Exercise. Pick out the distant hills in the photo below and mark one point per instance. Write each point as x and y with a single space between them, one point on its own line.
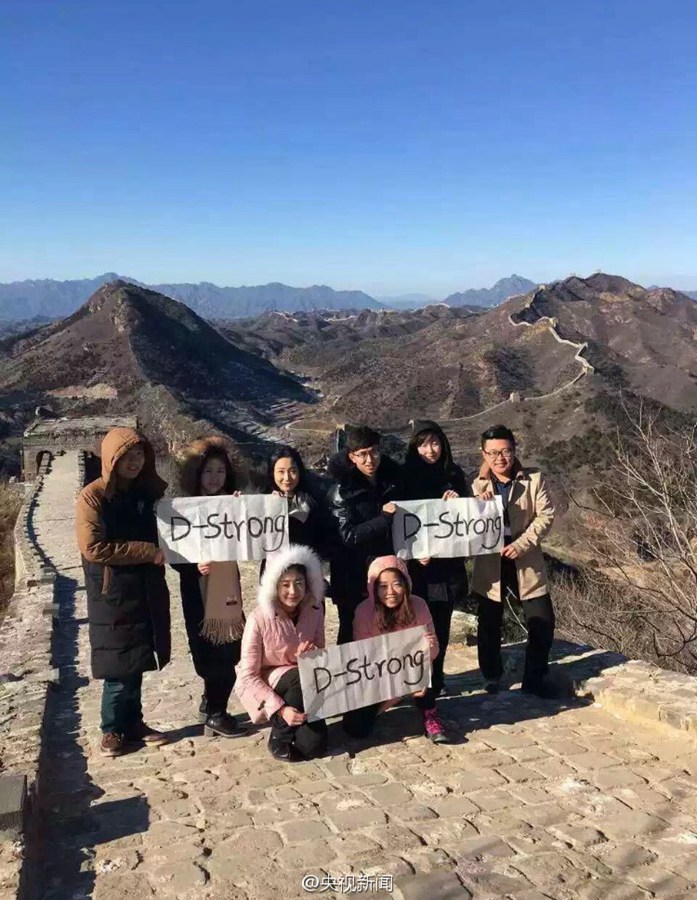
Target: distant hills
490 297
48 299
55 299
407 301
615 345
293 376
129 349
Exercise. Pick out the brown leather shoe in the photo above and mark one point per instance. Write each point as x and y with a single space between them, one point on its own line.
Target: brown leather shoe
144 734
112 744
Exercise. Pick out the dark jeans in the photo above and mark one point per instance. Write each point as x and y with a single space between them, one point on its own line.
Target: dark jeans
358 723
441 613
346 610
539 618
311 737
216 693
121 704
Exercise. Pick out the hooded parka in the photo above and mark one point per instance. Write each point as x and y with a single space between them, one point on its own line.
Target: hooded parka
127 596
271 639
365 622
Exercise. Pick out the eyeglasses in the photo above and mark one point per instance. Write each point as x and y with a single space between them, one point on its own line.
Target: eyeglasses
495 454
365 455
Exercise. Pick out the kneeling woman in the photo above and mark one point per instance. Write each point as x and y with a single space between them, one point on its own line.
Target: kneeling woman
287 622
390 606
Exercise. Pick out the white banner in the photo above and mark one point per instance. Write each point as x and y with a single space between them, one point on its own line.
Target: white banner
447 528
348 676
221 528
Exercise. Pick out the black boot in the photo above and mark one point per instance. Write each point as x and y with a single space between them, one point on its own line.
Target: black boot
283 750
223 725
544 688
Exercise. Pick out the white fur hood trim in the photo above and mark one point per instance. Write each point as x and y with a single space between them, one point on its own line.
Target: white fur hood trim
276 566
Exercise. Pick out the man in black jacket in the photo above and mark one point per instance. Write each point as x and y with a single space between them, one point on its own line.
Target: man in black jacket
362 504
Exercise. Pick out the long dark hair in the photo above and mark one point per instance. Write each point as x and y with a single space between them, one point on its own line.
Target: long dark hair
287 453
401 617
427 480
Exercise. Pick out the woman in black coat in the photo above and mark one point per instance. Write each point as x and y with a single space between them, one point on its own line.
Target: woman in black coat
287 477
431 473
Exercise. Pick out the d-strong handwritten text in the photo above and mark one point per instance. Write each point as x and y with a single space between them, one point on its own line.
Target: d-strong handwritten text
448 528
360 673
215 529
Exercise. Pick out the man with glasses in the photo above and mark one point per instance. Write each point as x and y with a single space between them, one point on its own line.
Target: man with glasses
519 573
362 504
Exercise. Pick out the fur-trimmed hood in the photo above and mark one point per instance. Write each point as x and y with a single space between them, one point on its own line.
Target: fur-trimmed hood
277 564
380 565
193 458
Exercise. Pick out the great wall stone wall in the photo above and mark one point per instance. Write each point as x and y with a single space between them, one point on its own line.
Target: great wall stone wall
517 321
593 797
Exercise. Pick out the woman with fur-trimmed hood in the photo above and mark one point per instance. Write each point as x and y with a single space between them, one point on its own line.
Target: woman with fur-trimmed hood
287 622
211 593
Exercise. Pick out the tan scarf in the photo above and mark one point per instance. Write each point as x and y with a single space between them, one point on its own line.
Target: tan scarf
223 620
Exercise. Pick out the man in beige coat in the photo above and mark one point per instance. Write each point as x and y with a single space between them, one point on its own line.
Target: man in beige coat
519 572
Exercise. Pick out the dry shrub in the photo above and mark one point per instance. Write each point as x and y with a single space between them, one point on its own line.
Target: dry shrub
640 597
601 612
10 503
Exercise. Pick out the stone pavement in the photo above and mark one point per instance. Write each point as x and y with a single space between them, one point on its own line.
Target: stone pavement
545 799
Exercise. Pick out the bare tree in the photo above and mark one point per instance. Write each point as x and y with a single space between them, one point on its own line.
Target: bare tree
641 593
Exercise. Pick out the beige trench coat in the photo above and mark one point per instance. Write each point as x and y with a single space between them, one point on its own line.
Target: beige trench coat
531 514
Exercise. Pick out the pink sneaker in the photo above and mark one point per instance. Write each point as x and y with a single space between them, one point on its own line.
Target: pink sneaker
434 727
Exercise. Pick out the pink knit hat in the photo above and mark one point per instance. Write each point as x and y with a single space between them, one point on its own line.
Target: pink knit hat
379 565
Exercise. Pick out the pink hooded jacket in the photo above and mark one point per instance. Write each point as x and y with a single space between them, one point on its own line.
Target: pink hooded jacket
270 640
365 623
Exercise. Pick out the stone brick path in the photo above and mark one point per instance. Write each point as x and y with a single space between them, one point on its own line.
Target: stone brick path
544 800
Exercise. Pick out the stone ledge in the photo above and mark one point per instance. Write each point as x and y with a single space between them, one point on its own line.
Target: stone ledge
13 795
632 689
27 676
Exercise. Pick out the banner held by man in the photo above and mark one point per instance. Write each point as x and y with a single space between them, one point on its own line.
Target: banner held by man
448 528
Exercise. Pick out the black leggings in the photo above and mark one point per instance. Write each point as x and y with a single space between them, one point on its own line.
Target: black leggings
441 613
310 738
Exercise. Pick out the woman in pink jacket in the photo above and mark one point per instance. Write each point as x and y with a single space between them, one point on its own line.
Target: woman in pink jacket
391 606
288 621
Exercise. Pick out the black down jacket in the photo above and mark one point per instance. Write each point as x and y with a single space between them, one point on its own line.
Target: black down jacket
362 531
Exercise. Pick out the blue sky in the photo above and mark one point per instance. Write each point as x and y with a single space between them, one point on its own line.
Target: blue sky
390 146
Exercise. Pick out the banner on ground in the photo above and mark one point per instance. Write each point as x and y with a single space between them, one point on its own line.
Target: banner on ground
447 528
348 676
222 528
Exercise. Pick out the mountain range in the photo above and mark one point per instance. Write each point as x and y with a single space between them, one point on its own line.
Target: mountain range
552 364
20 300
48 299
488 297
132 350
